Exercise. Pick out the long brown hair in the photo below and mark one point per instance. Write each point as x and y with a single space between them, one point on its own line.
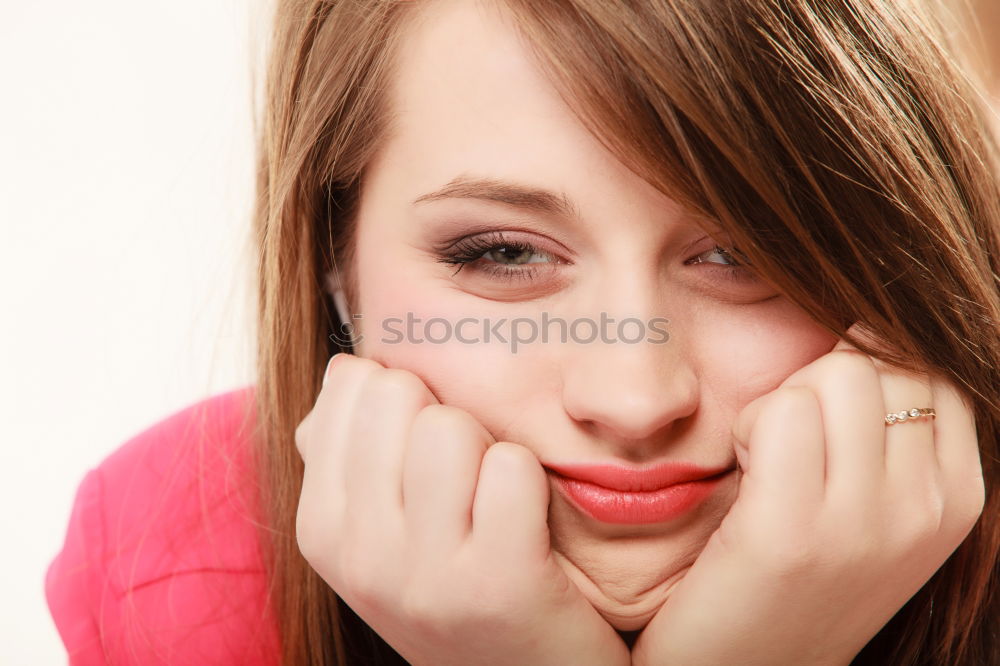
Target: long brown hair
840 144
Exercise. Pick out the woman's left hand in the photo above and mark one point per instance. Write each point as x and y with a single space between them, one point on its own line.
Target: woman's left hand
839 520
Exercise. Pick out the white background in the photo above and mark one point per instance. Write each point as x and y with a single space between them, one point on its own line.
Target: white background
126 180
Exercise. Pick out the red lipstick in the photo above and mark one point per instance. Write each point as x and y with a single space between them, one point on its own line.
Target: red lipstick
621 494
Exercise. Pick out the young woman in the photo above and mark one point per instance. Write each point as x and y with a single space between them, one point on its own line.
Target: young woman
672 333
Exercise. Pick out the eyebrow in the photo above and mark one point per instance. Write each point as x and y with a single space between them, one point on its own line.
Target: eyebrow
506 192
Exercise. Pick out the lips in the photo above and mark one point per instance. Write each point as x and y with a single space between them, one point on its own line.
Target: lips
620 494
631 479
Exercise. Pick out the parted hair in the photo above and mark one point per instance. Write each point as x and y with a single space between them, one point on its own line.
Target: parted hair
840 143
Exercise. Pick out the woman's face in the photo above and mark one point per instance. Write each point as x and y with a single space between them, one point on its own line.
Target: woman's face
471 106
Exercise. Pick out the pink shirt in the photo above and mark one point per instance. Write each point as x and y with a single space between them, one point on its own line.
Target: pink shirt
161 562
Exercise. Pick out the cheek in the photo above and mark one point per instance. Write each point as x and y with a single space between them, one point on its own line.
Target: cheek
748 355
415 326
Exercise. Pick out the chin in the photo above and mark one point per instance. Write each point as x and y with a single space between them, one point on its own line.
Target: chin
631 610
627 623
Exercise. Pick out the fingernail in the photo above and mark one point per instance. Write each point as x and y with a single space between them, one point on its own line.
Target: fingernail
329 364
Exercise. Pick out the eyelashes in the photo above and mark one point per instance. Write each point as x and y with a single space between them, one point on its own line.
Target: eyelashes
494 245
468 251
738 270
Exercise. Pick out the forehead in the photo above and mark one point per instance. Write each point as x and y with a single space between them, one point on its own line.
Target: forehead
463 69
469 99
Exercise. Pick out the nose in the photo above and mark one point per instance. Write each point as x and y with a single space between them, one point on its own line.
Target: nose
630 394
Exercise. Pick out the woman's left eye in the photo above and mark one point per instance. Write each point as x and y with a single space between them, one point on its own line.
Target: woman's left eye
736 268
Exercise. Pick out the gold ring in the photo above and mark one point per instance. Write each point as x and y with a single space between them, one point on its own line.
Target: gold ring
907 414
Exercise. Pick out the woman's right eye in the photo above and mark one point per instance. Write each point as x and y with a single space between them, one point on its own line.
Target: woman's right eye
496 257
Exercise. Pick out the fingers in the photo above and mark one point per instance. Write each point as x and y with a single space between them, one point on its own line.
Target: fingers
510 512
322 436
910 460
958 456
841 433
301 432
384 457
441 468
932 469
780 446
339 393
911 463
850 394
384 411
955 429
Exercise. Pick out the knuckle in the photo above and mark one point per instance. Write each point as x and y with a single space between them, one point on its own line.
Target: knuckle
977 496
927 505
438 418
847 366
837 365
358 583
514 454
424 611
923 529
781 404
399 384
923 523
971 503
336 370
934 513
789 401
310 540
301 432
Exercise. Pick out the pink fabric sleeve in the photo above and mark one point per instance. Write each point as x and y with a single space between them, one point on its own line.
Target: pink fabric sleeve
161 561
74 578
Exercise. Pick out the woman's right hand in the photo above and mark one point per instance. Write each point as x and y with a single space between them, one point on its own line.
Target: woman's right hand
432 532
